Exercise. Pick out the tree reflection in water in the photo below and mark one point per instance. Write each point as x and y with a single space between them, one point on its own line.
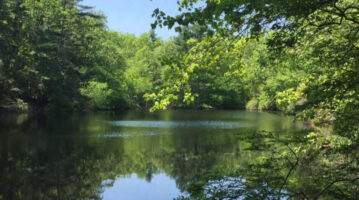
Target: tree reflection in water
62 157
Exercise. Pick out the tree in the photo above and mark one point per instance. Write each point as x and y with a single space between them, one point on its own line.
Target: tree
45 50
244 15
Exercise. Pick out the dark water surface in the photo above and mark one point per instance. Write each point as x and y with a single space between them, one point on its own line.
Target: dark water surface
139 155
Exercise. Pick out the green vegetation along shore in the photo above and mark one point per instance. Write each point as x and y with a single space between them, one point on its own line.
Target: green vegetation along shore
297 57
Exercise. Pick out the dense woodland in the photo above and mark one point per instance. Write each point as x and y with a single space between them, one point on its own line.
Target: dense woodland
297 57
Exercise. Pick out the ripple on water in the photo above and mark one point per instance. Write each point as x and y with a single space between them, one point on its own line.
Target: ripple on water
183 124
125 135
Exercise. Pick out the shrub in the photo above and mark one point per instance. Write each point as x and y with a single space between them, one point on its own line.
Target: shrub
98 93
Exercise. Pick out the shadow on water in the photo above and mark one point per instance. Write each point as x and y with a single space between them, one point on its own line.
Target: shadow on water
193 154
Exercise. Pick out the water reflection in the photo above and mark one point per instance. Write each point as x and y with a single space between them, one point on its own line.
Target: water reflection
86 157
182 124
161 187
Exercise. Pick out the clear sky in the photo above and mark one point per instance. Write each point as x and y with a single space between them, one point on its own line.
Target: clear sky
134 16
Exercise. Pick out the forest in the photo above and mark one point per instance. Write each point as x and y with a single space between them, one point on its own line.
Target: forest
300 58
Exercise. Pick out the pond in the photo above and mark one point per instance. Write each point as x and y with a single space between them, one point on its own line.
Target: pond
162 155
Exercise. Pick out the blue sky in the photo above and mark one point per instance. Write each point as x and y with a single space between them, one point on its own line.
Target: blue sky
134 16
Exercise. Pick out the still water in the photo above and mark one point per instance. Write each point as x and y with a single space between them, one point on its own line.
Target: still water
140 155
